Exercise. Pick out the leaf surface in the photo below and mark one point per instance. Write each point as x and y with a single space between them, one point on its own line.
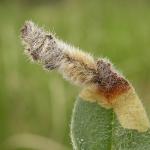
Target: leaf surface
96 128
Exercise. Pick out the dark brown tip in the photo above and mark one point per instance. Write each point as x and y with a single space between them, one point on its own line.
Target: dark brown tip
27 28
23 31
35 55
49 37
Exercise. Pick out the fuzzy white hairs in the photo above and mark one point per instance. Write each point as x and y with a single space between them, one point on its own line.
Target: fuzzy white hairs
100 81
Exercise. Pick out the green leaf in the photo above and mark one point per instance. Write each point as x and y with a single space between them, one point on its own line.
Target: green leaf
96 128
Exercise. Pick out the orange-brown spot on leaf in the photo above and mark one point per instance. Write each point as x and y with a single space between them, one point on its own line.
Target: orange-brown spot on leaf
121 86
109 84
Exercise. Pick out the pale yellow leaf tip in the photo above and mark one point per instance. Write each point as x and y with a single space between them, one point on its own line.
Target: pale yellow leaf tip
130 112
127 106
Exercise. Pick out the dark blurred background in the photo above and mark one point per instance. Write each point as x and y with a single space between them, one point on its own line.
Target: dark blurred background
36 106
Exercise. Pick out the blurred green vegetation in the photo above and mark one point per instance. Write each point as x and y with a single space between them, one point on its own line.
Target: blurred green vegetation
38 103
